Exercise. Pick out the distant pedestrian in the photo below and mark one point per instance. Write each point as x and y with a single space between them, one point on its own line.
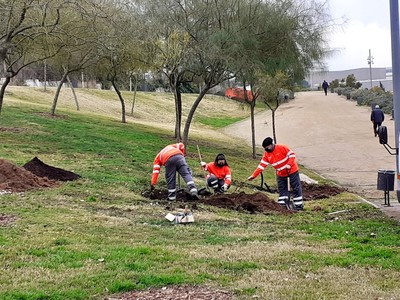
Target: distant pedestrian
172 157
325 86
377 117
284 161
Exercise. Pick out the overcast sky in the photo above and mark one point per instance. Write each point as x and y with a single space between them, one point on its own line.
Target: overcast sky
367 27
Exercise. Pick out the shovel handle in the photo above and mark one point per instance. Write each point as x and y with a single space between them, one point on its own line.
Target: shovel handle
198 151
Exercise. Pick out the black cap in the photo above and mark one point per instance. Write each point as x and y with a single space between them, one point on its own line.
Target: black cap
268 141
220 157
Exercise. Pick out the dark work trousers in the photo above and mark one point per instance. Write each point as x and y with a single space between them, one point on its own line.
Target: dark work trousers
326 91
376 126
177 163
215 183
284 193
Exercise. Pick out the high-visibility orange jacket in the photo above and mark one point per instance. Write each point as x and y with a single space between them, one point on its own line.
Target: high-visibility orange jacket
163 156
219 172
278 158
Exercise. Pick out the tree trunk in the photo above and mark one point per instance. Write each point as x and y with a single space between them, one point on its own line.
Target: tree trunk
253 129
174 86
55 99
273 126
134 94
73 93
252 103
3 90
178 113
121 99
191 113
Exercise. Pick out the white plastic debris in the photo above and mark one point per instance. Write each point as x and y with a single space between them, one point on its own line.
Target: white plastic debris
305 178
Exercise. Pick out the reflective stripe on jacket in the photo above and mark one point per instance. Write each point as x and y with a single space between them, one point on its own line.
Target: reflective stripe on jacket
279 158
161 159
219 172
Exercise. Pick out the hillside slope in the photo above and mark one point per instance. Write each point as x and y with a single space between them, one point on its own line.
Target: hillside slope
151 108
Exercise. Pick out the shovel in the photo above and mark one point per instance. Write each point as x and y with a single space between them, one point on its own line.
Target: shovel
204 171
287 201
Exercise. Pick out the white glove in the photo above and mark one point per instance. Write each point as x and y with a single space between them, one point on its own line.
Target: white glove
225 187
203 164
250 178
288 167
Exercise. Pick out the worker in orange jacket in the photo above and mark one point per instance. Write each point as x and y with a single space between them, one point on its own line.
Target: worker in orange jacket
172 157
284 161
219 174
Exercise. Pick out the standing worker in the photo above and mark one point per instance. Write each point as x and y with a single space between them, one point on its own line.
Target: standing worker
172 157
219 174
377 117
284 161
325 86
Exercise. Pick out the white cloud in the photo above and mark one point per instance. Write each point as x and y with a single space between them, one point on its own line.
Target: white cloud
368 27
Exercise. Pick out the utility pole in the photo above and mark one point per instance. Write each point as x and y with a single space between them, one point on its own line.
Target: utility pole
394 28
370 60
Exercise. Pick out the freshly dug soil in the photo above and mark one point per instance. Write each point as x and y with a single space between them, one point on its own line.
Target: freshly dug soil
17 179
39 168
320 191
258 202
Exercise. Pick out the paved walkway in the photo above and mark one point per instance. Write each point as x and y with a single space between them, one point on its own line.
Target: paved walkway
332 136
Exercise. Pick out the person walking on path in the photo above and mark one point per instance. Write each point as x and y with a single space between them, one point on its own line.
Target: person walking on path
377 117
219 174
284 161
325 86
172 157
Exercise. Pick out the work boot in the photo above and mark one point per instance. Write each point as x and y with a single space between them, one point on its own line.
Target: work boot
172 196
218 191
194 194
298 207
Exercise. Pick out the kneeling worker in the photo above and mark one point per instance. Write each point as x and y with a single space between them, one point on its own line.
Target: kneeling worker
284 161
219 174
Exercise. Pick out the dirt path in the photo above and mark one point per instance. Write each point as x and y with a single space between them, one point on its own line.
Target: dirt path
332 136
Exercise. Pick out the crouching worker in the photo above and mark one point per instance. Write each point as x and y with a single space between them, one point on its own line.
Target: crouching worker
284 161
219 174
172 157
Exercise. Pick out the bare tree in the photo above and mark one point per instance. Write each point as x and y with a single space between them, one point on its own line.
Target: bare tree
29 29
281 42
121 46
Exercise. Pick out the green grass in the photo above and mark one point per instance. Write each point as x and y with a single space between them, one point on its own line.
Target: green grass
219 122
98 236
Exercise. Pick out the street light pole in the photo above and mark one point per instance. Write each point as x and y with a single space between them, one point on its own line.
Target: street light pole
394 28
370 60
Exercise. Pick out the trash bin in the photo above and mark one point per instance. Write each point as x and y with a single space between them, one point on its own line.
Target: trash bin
385 180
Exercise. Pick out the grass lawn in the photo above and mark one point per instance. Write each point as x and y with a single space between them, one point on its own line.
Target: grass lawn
98 236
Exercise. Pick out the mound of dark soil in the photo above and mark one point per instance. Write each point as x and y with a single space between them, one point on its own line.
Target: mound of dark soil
39 168
253 203
320 191
16 179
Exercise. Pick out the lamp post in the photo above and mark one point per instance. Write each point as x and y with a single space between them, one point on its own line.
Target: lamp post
394 28
370 60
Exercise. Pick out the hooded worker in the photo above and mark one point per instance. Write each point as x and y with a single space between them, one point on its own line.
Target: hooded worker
284 161
172 157
219 174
